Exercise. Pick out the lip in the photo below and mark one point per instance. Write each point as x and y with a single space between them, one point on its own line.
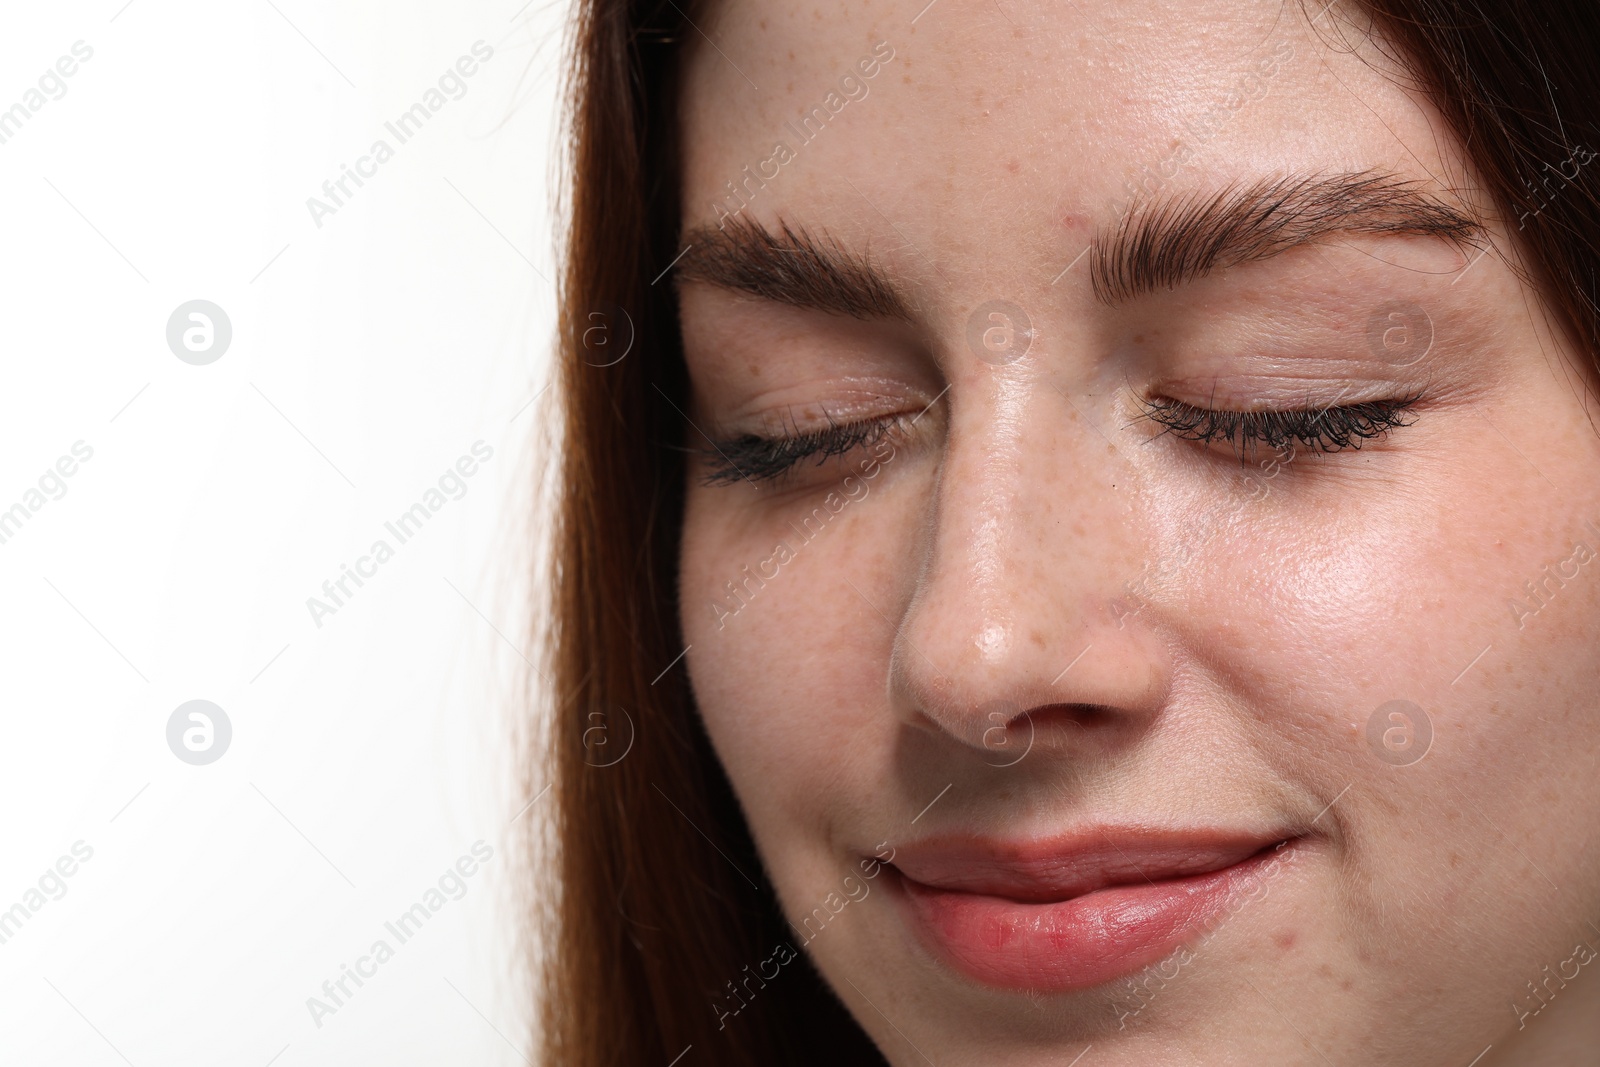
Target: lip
1068 913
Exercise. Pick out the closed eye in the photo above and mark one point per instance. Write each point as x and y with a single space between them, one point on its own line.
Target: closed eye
1328 429
757 459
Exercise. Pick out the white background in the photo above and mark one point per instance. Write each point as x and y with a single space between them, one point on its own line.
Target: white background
371 752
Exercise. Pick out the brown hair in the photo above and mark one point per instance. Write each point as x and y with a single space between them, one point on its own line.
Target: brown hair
659 912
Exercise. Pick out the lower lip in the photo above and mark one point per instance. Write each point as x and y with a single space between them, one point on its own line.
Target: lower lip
1072 944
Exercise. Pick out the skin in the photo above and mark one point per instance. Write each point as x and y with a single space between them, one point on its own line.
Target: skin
1227 645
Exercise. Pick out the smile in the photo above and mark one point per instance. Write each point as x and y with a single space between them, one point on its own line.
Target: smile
1069 913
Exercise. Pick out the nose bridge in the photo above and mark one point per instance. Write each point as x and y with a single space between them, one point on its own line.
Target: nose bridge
982 521
1028 551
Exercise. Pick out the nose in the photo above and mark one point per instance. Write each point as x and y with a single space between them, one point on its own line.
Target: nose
1031 615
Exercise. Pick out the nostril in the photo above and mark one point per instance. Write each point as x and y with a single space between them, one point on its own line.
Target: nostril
1009 727
1013 734
1067 715
1013 716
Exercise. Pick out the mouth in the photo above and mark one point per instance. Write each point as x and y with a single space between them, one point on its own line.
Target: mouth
1068 913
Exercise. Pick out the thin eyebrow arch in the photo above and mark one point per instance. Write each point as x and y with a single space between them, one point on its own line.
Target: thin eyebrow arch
1165 243
792 267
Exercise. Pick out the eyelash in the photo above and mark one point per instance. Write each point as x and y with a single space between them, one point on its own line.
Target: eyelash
1330 429
767 459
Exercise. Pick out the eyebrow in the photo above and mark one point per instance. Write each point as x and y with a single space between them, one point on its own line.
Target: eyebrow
793 267
1165 243
1158 244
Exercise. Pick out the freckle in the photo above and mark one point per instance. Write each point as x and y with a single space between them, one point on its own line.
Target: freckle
763 23
1455 859
1138 338
1347 985
1284 940
906 78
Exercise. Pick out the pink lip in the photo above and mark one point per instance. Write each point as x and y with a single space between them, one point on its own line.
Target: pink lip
1068 913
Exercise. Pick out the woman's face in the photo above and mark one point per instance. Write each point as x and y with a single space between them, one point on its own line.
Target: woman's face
1069 717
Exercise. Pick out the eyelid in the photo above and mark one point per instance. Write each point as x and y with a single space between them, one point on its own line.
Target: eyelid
813 405
760 459
1332 427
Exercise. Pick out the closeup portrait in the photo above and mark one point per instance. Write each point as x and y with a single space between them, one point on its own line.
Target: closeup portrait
917 533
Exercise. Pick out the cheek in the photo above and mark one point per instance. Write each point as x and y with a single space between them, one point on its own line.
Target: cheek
1332 596
1319 613
788 664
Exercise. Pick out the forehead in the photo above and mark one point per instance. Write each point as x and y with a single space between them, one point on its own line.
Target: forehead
1006 131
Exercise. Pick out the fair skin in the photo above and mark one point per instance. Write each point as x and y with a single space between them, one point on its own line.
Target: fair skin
1165 636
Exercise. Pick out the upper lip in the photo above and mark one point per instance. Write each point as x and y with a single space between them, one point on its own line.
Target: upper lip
1048 870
